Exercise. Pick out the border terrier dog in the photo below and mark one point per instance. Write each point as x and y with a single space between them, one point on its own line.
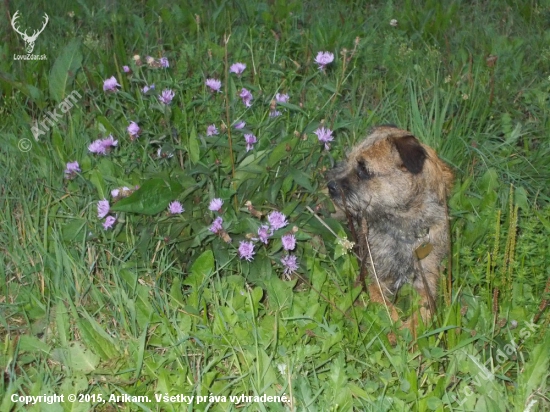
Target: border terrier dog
393 189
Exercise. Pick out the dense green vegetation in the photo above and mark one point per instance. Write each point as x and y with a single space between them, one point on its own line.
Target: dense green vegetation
163 303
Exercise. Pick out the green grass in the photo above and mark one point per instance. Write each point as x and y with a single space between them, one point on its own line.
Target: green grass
160 305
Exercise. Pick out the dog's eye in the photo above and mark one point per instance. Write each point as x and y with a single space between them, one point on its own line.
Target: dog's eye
362 171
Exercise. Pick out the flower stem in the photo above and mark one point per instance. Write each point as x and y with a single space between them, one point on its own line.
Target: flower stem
227 117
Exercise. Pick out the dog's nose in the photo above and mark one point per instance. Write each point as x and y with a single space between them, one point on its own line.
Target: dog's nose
332 188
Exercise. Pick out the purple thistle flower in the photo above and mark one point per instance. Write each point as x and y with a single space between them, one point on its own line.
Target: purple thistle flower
237 68
102 146
212 130
282 98
110 85
133 129
109 222
289 242
214 84
216 225
246 250
264 232
109 142
175 208
71 169
324 58
163 61
246 96
239 125
215 205
166 96
103 208
324 135
97 147
277 220
147 88
290 263
126 69
250 141
279 98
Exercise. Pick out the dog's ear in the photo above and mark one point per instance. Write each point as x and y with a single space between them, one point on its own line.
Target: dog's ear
411 152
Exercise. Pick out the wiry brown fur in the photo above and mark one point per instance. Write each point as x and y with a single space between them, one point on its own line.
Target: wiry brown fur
399 187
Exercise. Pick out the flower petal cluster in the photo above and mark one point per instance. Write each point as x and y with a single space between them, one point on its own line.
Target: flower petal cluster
237 68
324 58
110 85
103 146
214 84
166 96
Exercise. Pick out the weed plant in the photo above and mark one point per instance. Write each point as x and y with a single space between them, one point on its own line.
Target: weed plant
190 250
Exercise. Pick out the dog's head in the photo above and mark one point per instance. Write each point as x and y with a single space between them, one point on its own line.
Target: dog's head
390 172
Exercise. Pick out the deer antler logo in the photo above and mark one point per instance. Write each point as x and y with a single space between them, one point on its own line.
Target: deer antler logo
29 40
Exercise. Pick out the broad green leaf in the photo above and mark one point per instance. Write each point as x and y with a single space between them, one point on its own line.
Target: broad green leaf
330 87
535 372
193 149
281 151
129 277
82 359
434 403
265 368
71 231
514 135
545 222
27 89
250 175
58 143
97 180
252 168
144 310
318 275
200 270
141 351
175 292
252 159
75 383
302 179
279 292
33 92
291 107
287 184
29 343
357 391
96 338
107 125
64 69
107 168
204 265
151 198
521 198
489 181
